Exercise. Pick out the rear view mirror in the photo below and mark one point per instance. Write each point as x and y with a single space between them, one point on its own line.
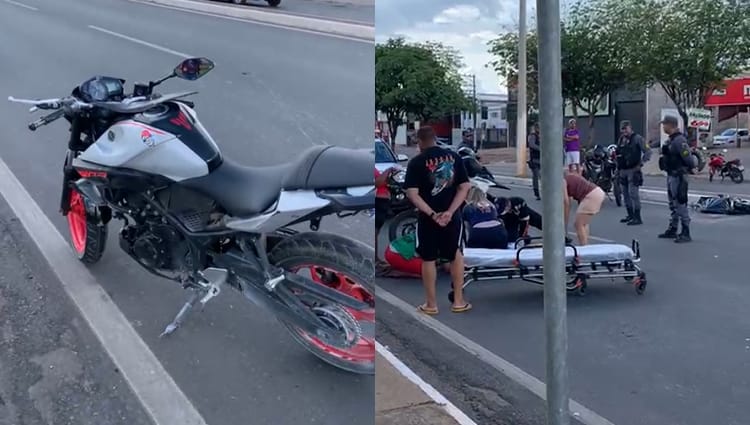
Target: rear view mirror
193 68
402 158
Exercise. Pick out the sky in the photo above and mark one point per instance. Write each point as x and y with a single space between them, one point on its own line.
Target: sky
466 25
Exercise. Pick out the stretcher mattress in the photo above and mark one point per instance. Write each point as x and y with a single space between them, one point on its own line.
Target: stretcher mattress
598 253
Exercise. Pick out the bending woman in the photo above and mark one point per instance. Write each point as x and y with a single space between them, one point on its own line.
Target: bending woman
486 230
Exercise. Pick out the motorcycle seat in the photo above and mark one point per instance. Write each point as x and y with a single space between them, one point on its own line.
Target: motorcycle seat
330 167
244 191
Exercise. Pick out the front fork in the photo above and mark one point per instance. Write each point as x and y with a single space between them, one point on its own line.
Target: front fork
69 175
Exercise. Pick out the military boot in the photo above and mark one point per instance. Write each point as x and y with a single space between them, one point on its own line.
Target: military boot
670 233
684 236
628 217
636 219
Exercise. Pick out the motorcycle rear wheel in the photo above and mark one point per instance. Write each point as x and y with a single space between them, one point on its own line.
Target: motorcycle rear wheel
348 267
87 238
736 176
402 224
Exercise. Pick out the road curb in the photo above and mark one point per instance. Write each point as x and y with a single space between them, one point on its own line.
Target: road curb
344 29
649 195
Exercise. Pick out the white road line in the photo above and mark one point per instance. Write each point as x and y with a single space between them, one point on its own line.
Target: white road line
583 414
142 43
25 6
162 399
428 389
250 21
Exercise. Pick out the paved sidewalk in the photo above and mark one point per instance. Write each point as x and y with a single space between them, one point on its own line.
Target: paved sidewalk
398 401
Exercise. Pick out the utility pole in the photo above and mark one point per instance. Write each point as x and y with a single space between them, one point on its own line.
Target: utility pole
522 109
553 251
474 101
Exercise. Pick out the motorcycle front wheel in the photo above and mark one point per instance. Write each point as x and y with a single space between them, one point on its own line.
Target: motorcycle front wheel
402 224
87 238
346 266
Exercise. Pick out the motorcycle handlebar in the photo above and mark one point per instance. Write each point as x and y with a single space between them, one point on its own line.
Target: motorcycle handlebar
46 119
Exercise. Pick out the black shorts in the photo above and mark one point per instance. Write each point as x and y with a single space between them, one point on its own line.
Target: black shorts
381 211
435 242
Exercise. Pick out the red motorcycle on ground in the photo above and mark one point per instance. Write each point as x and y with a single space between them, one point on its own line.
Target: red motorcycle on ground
718 164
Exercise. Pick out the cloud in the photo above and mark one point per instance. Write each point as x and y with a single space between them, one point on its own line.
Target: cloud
457 14
464 25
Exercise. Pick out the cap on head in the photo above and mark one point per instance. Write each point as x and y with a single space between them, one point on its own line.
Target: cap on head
670 120
625 124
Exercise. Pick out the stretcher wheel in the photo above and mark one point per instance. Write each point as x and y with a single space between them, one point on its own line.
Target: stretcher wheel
451 296
581 286
640 284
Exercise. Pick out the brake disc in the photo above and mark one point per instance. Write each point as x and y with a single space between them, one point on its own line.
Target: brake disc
347 330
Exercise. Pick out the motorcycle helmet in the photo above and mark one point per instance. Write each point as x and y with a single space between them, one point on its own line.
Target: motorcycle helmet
465 151
599 152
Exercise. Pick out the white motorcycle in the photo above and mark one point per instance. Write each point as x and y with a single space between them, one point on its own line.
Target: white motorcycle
192 216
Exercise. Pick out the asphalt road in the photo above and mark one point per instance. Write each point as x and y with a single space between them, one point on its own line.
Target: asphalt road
678 355
267 99
355 11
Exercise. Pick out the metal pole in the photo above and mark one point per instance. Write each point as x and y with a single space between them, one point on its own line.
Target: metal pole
474 97
555 302
521 129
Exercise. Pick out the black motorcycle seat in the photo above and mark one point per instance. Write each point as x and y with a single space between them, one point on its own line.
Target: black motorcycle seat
330 167
243 191
240 190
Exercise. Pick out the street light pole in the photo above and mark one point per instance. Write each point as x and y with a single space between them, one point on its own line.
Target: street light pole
555 302
522 109
474 101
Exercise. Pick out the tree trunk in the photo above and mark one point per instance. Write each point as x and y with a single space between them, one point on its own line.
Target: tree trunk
592 121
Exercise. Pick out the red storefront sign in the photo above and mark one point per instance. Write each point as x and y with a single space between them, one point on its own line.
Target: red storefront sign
735 92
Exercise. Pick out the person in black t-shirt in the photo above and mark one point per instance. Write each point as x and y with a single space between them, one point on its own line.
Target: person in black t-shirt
437 184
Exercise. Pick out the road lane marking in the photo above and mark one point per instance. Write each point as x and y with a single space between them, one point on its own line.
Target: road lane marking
160 396
426 388
578 411
26 6
142 42
252 21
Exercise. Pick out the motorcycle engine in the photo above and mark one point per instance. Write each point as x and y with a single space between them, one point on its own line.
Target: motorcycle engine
155 246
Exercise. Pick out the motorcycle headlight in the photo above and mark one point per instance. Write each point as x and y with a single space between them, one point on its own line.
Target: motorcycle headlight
399 177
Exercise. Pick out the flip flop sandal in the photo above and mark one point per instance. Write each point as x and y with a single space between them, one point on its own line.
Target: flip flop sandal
461 309
428 311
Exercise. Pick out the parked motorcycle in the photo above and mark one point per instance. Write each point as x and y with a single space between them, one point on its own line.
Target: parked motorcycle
717 164
192 216
600 168
474 168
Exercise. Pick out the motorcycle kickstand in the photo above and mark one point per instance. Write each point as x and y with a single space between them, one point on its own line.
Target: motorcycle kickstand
215 278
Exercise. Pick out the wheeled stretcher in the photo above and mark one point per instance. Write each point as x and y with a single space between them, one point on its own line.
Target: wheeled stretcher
523 260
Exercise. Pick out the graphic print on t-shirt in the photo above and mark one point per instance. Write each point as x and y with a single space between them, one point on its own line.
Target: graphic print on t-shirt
441 173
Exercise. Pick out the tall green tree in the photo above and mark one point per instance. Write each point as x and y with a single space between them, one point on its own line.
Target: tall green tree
417 79
688 47
591 68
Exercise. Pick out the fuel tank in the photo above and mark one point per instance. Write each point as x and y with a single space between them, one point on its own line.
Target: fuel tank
167 140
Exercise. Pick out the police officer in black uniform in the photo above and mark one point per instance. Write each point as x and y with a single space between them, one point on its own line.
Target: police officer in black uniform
676 161
535 158
632 152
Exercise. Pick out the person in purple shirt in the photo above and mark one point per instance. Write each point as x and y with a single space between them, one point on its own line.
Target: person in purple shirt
572 141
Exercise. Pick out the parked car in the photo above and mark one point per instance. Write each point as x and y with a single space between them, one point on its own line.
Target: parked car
729 137
272 3
385 158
